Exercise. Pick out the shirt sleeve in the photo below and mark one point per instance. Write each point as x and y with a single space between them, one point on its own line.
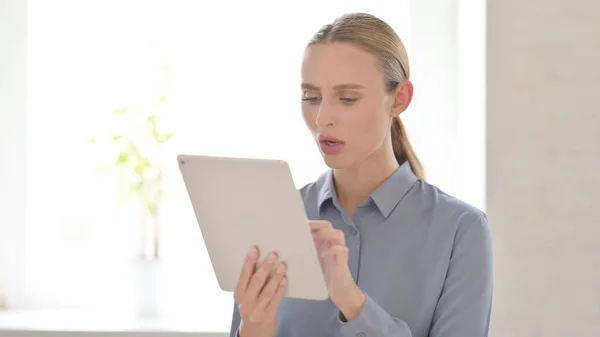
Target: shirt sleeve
373 321
465 302
235 322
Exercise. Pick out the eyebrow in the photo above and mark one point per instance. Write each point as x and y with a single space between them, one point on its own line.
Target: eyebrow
336 87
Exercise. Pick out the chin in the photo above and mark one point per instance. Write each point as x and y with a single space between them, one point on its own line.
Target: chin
338 161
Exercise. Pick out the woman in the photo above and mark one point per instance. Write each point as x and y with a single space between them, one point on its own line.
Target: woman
400 257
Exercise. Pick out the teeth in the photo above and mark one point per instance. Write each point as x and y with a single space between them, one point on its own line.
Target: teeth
331 143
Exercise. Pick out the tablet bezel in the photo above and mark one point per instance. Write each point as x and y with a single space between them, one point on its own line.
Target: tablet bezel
257 200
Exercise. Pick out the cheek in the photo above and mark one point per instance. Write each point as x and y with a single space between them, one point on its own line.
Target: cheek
370 126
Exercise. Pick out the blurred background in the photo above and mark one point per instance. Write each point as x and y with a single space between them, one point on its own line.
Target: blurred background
98 97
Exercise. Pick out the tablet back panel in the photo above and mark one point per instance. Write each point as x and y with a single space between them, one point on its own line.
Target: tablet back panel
239 202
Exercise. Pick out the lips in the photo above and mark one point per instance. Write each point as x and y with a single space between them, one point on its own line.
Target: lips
330 145
330 140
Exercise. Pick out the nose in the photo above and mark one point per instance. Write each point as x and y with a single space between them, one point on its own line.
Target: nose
326 115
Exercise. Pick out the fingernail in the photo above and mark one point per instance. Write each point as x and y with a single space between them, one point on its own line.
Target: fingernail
281 268
272 257
253 253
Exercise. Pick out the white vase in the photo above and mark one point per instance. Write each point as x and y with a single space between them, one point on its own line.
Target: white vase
147 284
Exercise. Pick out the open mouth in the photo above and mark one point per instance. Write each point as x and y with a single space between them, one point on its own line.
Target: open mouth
329 140
330 145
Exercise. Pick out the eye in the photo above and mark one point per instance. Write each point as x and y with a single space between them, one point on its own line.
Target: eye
348 98
310 96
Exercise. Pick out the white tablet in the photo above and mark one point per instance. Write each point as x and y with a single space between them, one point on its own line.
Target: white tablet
240 202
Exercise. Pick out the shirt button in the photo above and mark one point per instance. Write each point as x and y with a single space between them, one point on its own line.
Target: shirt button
361 334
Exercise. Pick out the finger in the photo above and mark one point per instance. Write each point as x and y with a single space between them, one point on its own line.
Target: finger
257 282
246 273
328 263
270 289
335 254
338 238
321 244
272 307
333 236
316 225
339 256
322 233
340 253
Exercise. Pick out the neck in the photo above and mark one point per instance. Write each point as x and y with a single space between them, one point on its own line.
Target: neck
355 184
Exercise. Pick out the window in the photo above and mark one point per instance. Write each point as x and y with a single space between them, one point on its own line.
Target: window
227 75
233 71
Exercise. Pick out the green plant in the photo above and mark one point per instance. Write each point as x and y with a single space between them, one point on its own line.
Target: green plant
136 157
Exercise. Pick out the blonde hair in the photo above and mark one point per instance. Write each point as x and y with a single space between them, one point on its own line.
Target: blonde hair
374 35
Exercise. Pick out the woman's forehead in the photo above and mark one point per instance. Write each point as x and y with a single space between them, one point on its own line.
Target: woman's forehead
336 63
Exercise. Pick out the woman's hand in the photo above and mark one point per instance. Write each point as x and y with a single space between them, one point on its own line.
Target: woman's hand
258 295
333 255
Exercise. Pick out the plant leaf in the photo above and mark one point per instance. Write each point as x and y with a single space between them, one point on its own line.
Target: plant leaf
152 120
123 158
137 188
151 207
141 166
165 137
161 100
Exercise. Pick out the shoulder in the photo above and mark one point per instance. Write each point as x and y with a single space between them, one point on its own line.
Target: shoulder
310 190
446 211
314 193
313 190
459 230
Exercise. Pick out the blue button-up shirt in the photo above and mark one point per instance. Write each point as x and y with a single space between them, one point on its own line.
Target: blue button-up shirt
422 257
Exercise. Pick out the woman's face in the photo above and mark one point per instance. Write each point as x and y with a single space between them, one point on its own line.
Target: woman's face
345 103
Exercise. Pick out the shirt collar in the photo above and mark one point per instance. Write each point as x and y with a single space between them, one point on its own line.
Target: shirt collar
326 187
385 197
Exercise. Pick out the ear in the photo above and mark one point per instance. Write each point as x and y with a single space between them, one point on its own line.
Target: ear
402 98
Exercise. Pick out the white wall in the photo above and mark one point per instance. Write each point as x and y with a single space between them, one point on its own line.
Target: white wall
543 129
13 90
447 59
